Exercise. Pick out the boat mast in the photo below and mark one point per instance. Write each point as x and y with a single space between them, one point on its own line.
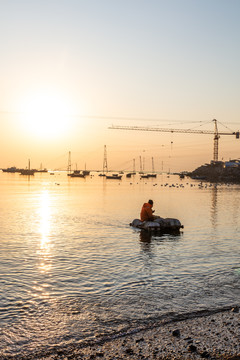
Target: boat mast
69 168
152 166
105 166
141 171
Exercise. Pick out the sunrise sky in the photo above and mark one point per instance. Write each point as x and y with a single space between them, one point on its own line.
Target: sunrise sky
71 68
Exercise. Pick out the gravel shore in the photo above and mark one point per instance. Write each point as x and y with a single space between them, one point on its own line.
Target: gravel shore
214 336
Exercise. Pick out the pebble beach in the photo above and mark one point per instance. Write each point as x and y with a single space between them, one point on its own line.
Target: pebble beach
200 336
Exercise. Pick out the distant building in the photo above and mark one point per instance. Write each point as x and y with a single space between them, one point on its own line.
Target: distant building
232 164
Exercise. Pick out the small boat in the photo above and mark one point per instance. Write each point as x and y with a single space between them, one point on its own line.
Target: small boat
42 171
144 176
12 169
159 225
28 171
114 176
153 174
78 174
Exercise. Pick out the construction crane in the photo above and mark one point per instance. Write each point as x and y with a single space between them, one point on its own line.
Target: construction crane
216 133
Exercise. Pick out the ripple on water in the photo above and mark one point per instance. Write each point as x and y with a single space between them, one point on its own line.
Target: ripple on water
69 260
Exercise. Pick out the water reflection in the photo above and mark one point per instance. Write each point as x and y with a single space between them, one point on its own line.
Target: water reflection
235 211
214 207
146 238
44 251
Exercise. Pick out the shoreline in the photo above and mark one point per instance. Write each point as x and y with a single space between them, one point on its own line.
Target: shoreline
204 334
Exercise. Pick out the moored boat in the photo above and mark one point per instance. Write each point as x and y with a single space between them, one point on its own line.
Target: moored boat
42 170
77 173
12 169
28 171
144 176
114 176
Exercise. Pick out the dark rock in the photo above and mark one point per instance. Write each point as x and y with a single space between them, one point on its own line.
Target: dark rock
100 354
138 340
205 355
192 348
176 333
129 351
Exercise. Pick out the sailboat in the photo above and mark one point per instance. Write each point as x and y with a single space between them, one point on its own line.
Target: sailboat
128 175
77 173
86 172
114 176
153 174
28 171
41 170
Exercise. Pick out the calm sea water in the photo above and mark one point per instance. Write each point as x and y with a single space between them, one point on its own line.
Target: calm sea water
72 269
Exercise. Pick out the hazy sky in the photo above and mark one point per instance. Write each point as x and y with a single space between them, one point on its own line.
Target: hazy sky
70 68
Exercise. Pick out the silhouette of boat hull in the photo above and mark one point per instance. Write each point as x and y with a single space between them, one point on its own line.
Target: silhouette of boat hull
27 172
115 177
12 169
160 225
77 174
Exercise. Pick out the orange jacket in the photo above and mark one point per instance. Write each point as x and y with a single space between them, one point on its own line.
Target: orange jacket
146 212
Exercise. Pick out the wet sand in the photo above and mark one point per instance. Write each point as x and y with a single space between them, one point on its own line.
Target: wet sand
202 336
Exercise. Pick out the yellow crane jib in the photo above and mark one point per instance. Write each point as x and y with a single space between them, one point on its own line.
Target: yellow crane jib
216 133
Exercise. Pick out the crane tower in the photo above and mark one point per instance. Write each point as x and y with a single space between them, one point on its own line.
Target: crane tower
216 133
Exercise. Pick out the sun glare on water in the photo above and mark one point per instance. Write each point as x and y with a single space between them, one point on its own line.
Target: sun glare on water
46 115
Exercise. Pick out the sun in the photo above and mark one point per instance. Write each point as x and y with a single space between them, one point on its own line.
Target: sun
46 114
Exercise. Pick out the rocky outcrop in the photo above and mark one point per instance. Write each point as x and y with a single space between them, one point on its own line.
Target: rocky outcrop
217 172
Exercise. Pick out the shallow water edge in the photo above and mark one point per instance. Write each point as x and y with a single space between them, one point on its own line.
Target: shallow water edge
60 352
